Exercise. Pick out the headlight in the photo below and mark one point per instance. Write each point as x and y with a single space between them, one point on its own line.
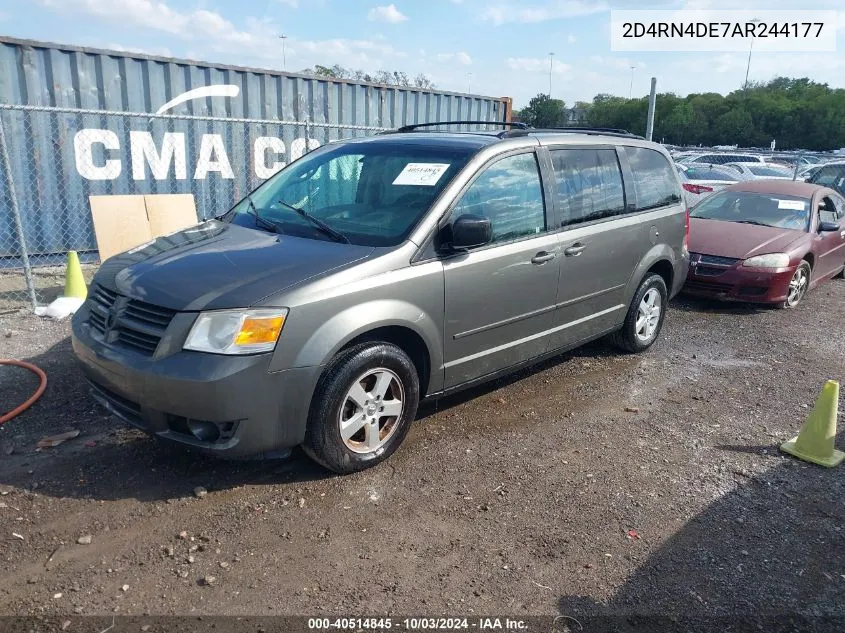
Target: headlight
772 260
237 331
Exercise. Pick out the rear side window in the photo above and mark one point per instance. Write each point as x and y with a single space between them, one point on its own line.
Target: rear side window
589 184
654 181
510 194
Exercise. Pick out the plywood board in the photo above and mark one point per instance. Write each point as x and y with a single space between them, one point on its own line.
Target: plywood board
120 223
168 213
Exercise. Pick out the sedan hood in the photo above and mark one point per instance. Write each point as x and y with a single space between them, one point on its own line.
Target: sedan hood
217 265
740 241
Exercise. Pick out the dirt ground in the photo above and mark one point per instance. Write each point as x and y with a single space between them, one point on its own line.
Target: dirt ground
595 484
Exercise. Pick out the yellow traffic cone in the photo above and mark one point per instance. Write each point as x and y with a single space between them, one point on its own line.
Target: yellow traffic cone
74 281
814 442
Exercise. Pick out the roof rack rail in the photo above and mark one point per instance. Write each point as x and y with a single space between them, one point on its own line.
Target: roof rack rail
604 131
416 126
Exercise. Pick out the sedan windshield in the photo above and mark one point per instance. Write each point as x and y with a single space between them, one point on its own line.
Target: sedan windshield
370 194
746 207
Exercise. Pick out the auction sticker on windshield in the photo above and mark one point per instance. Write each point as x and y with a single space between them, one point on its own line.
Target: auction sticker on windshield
421 174
792 205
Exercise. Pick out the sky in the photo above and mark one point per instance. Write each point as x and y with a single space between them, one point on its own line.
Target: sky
489 47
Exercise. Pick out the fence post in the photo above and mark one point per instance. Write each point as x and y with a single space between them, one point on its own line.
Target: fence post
16 212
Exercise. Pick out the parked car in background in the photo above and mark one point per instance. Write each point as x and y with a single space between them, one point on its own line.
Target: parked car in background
374 272
701 181
755 171
830 175
807 172
791 160
721 158
766 241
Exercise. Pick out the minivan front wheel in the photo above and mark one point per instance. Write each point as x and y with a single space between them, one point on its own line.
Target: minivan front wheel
362 408
645 316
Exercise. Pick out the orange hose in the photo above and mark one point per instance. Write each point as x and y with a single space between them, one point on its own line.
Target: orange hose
41 387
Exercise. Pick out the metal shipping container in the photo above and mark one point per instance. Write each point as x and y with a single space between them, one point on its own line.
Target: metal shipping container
80 121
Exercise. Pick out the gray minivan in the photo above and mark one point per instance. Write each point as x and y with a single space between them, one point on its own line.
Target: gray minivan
374 272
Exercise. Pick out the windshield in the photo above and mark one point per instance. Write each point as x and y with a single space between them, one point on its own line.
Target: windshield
767 171
372 194
782 211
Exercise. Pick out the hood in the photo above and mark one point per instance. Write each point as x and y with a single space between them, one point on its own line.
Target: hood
217 265
739 241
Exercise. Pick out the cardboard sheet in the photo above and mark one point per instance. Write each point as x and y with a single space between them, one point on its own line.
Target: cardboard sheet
120 223
124 222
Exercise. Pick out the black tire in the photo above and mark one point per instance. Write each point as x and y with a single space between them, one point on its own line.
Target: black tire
323 440
841 274
626 338
808 271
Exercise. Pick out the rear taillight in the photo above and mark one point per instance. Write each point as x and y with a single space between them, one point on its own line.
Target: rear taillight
686 230
697 189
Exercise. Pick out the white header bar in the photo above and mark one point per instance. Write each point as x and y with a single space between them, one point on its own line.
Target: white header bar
712 30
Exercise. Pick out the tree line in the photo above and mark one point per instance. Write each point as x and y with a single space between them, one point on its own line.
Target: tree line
796 113
385 77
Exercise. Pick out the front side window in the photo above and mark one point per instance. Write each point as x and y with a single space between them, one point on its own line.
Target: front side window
589 184
509 193
828 211
654 181
372 194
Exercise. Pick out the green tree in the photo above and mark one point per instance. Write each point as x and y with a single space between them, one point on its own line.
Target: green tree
544 112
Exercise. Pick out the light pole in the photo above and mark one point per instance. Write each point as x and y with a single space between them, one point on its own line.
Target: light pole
284 60
469 83
631 87
551 64
748 66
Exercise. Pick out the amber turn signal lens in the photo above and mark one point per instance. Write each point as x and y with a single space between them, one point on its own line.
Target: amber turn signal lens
257 330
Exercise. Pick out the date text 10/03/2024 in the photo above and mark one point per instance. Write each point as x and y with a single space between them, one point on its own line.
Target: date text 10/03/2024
417 624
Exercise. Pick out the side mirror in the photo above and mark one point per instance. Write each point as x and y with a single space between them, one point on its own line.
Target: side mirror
828 227
471 230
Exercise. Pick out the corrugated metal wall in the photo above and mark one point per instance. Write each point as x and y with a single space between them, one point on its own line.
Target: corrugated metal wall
37 73
67 80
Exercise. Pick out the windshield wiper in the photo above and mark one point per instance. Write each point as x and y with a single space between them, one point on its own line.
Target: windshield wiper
325 228
259 219
752 222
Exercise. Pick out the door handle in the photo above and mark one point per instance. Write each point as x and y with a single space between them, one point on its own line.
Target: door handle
542 257
574 250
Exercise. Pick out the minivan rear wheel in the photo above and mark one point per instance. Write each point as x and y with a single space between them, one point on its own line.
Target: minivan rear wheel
362 408
645 316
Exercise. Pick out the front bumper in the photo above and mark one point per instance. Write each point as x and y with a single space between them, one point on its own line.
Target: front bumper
231 406
739 283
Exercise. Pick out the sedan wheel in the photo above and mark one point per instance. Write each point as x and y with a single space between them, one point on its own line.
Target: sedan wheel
798 286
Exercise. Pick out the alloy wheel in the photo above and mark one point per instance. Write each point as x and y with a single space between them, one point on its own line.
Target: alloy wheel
371 410
648 315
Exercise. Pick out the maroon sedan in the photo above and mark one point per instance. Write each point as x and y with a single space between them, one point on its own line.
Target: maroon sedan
766 241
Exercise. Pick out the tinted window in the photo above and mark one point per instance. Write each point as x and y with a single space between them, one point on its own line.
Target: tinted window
654 182
832 176
509 193
372 193
589 184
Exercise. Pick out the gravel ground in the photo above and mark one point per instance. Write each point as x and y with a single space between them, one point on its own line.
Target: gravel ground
595 484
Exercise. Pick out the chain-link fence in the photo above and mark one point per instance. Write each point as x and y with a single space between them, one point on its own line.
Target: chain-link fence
52 159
